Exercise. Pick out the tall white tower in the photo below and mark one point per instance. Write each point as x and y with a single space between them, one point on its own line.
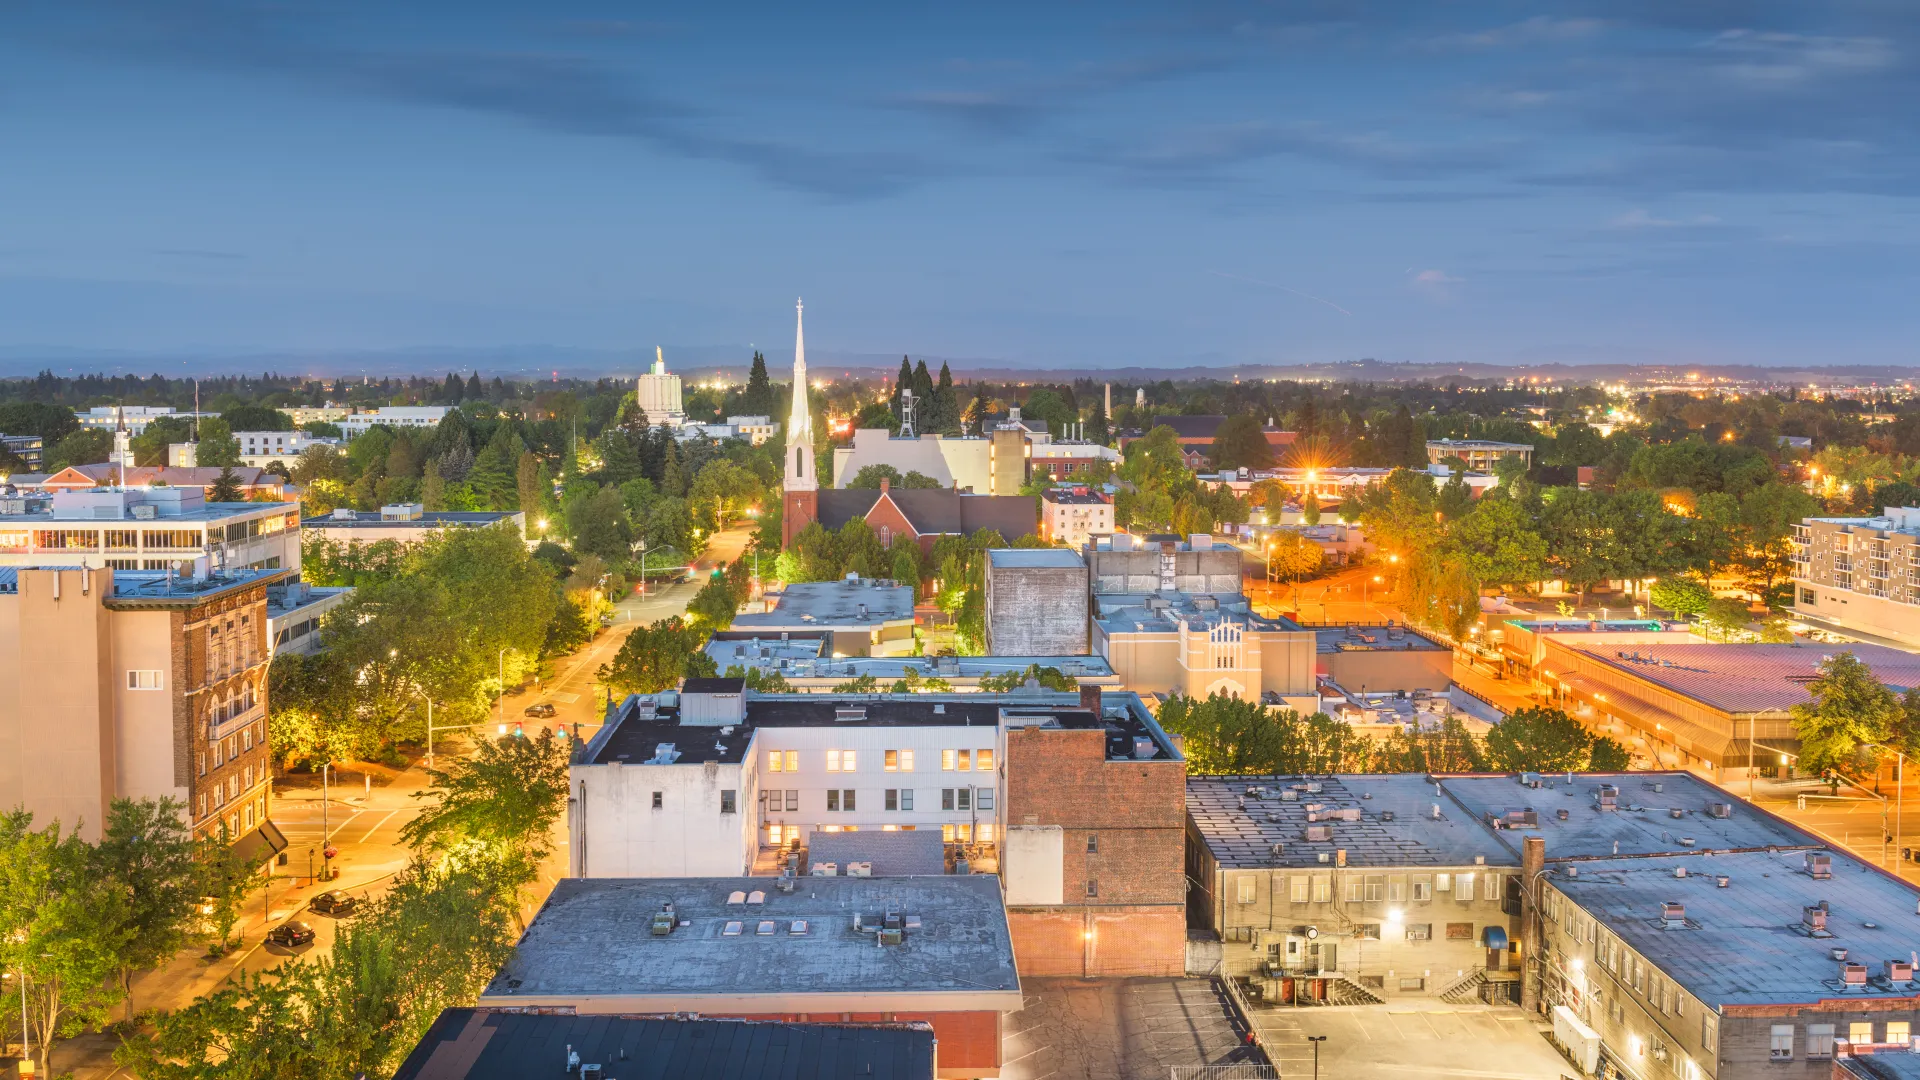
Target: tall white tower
659 393
801 503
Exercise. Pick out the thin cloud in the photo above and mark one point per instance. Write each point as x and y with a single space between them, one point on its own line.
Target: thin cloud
1538 30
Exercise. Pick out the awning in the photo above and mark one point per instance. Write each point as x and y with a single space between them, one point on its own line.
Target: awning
1494 937
1663 724
261 844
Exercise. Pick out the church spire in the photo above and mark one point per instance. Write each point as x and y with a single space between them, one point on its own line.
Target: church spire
800 464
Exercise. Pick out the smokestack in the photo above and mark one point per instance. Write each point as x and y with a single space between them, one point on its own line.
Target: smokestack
1533 860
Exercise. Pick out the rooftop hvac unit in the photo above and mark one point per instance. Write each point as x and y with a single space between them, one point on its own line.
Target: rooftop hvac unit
1899 971
859 869
148 511
1289 795
1673 915
1609 797
1347 813
1277 852
849 712
592 1072
1819 865
1853 973
663 923
1313 787
1530 779
1813 920
1321 833
1720 810
825 869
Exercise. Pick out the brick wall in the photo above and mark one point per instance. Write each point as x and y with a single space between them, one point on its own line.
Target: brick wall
1123 826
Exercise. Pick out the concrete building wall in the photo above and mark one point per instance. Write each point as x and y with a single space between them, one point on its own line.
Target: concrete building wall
1008 451
1425 669
1160 661
56 703
955 462
146 730
618 832
1140 570
1036 610
928 778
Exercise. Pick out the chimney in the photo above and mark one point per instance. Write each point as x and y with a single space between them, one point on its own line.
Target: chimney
1533 860
884 483
1090 698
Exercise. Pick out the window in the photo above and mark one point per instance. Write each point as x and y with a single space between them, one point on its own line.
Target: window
659 799
145 680
833 761
793 760
247 817
906 798
983 761
1297 889
1806 596
1463 887
1093 843
1859 1031
1819 1040
846 799
1781 1046
1246 888
727 802
1443 882
1898 1031
793 799
203 763
1709 1031
219 753
983 798
1415 983
1355 890
1093 888
1323 889
891 799
1367 931
965 760
203 801
1419 931
246 738
775 761
833 799
899 761
946 760
1397 889
1376 887
248 774
1459 931
984 833
1422 887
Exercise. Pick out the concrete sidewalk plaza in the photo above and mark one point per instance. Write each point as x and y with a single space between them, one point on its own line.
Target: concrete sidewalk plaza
1462 1041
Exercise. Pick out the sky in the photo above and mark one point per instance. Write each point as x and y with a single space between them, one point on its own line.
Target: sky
1055 184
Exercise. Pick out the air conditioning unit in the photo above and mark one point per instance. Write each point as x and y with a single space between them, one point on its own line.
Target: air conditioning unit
1899 971
1320 833
1853 973
1720 810
1819 865
825 869
1673 915
859 869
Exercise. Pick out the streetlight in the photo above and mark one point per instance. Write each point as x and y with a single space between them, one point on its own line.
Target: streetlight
1900 792
1316 1040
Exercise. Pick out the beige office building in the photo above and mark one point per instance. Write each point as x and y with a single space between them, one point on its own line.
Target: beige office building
119 684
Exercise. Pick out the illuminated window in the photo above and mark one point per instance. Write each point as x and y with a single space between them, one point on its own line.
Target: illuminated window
774 761
983 760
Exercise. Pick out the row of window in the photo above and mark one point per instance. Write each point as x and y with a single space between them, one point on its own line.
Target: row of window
843 800
1375 888
893 760
1820 1037
961 833
242 741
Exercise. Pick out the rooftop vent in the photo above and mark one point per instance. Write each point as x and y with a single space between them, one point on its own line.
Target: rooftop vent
1720 810
1686 841
1609 797
1679 871
1561 814
664 754
737 897
849 712
1386 815
756 897
1722 881
1320 833
1673 915
1819 865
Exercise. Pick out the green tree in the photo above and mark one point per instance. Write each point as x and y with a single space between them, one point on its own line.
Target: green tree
147 852
1226 735
869 477
1681 594
1726 615
505 798
433 488
217 447
1500 544
1310 509
1539 740
87 446
598 525
1291 556
715 605
225 487
1849 708
653 658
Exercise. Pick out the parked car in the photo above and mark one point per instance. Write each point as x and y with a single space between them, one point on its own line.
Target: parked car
541 708
290 934
335 904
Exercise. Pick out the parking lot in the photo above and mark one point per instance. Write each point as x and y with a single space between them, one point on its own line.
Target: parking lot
1412 1040
1120 1029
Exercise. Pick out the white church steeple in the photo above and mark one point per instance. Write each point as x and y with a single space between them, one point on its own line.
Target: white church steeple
800 461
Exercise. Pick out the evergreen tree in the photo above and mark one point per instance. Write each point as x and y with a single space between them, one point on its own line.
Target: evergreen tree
673 477
619 457
226 488
1098 428
946 405
922 397
475 391
493 478
454 389
530 488
759 398
433 490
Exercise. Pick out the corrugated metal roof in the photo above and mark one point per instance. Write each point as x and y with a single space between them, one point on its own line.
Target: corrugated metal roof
1749 677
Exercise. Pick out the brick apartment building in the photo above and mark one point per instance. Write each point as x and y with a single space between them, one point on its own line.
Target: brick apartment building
120 684
1094 848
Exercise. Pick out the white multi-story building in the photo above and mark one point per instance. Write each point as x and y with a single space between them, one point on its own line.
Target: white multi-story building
394 416
757 429
148 528
659 394
700 783
261 448
1072 516
135 417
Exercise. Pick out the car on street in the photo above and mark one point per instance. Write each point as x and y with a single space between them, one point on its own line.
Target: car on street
541 708
334 903
290 934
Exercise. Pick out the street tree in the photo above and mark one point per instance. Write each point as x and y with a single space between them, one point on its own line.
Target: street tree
147 852
1848 708
1539 740
1682 594
505 798
653 658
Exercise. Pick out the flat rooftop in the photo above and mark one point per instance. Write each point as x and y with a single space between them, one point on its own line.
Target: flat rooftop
634 736
1396 827
1330 639
1885 1064
592 939
430 519
807 663
833 603
1161 612
1750 676
1743 944
1645 823
198 513
770 653
893 854
1598 626
1039 558
480 1044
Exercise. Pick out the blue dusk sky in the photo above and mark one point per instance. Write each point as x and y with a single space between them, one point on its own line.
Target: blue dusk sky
1061 184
